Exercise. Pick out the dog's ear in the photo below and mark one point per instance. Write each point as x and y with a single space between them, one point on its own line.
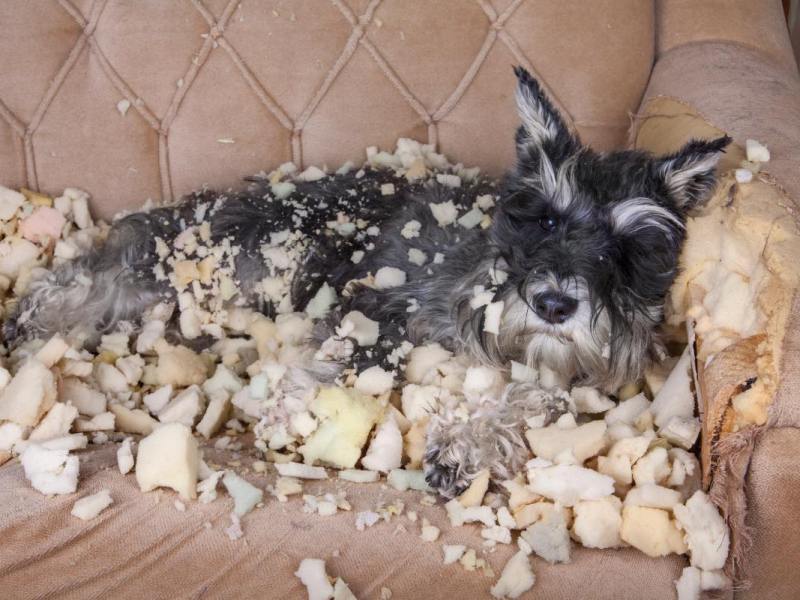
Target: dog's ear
689 173
542 129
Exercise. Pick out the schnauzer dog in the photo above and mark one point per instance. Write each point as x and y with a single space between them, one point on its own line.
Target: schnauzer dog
580 253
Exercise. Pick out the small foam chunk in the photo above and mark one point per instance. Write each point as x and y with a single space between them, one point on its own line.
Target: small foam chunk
125 456
652 495
389 277
492 315
385 452
422 360
169 457
756 151
88 507
363 330
245 495
50 471
408 479
688 585
459 514
583 441
346 418
568 484
358 475
452 552
29 394
651 531
473 495
707 534
597 523
590 400
301 471
549 538
311 573
374 381
516 579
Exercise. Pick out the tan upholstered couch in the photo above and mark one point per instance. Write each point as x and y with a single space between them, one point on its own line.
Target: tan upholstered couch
138 99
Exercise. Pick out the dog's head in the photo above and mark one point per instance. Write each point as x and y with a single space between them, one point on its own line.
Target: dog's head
591 242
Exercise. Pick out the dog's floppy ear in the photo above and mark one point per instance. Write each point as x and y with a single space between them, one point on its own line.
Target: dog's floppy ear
542 126
689 173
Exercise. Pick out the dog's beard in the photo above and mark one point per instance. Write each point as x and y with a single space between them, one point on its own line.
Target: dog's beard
578 346
595 346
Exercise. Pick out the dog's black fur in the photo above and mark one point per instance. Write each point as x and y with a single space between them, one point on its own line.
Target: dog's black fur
589 242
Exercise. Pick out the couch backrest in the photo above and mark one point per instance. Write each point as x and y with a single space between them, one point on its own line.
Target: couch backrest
137 99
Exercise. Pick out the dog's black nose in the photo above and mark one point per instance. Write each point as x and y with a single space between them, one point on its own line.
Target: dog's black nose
554 307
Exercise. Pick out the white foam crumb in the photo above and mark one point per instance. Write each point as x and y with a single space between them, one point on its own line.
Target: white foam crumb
125 456
245 495
408 479
417 257
389 277
411 229
516 579
366 519
756 151
387 189
226 141
449 180
88 507
743 175
429 533
445 213
234 530
362 329
358 476
385 452
301 471
50 471
707 535
357 257
386 593
374 381
452 552
179 506
123 106
493 314
311 573
688 585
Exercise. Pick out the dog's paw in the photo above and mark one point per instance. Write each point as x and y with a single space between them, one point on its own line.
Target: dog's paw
444 474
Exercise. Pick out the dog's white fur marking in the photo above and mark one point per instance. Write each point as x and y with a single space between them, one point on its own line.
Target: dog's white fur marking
633 215
538 123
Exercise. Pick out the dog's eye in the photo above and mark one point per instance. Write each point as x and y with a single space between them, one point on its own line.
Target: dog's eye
548 223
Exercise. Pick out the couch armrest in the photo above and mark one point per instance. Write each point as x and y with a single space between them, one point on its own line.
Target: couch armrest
732 61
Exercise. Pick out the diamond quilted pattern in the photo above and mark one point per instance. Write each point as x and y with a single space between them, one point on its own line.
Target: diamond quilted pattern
267 39
123 145
26 26
312 81
401 43
251 136
382 111
152 74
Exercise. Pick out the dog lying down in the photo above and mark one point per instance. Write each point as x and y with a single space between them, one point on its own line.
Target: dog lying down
410 318
563 266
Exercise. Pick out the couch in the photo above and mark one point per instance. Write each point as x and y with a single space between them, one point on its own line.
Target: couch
137 100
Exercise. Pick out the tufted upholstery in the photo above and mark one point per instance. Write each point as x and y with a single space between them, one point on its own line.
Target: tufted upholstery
221 88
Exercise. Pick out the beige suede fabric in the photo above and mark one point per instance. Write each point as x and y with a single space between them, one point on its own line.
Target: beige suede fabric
735 70
223 89
142 547
142 99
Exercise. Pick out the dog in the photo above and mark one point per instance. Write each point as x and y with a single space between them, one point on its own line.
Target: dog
581 251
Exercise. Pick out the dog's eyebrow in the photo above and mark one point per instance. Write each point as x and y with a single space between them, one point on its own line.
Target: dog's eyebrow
634 214
558 185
